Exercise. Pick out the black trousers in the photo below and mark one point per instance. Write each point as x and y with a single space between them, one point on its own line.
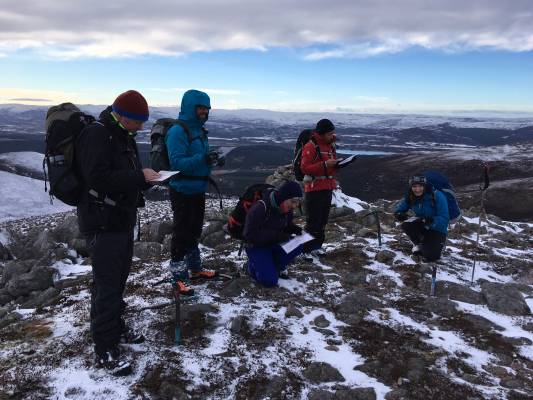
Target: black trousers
317 205
431 242
188 211
111 254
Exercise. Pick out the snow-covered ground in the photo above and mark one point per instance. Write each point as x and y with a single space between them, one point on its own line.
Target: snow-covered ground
30 160
22 197
221 359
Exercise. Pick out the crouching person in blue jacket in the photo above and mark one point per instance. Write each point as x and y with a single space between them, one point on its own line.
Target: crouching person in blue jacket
428 230
269 222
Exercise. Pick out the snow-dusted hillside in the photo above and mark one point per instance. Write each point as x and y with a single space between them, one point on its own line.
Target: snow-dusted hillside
355 324
22 197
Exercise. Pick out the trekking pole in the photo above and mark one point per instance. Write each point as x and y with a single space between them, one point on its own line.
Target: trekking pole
433 280
177 316
483 186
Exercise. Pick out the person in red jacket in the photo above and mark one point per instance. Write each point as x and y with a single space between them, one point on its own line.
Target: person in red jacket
319 161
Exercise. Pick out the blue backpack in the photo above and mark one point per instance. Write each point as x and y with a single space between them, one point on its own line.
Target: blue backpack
441 182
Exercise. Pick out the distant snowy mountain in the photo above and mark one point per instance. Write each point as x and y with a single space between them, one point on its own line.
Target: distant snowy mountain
361 120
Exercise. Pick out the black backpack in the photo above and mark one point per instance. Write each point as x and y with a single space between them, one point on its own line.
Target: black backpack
159 153
304 137
252 194
63 125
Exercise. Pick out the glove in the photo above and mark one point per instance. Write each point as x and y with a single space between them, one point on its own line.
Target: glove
283 237
295 229
221 161
428 221
400 217
211 158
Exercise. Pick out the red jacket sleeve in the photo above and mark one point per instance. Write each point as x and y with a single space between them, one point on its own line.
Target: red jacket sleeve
311 164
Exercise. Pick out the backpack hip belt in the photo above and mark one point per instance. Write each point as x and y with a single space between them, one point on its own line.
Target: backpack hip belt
310 178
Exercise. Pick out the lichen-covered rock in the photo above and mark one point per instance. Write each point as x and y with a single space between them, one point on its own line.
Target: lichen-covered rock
505 299
318 372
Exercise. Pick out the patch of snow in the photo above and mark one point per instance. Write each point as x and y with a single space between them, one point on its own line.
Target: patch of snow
4 237
340 199
447 340
68 270
25 197
508 323
30 160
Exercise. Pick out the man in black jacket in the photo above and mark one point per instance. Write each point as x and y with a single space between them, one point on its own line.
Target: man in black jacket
108 161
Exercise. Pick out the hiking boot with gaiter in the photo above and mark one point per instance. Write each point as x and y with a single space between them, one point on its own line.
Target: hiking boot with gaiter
180 277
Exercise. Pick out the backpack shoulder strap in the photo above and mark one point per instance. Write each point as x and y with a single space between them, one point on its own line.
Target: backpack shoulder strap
317 148
186 129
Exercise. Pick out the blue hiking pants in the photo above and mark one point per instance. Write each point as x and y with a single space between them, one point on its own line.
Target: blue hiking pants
265 263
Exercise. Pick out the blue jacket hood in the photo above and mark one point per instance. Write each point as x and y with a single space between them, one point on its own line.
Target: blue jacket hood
191 99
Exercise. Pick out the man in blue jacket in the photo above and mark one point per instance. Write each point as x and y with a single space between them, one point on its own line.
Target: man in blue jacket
429 229
188 152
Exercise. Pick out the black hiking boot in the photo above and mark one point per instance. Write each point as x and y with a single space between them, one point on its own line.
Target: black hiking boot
129 336
113 362
284 274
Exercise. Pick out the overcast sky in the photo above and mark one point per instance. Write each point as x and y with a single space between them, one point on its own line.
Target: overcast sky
354 55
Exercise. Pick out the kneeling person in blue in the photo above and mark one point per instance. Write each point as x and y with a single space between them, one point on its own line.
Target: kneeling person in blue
429 229
269 222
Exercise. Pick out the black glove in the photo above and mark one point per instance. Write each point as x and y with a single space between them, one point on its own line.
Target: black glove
221 161
283 237
211 158
400 217
295 229
428 221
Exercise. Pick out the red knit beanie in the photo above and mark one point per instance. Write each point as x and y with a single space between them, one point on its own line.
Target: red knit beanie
132 105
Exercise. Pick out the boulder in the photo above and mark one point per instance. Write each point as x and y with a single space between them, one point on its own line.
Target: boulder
340 213
41 299
318 372
144 250
235 287
5 297
45 241
440 306
239 325
505 299
357 301
5 254
157 230
385 256
80 245
293 311
354 278
66 230
16 268
214 226
320 394
38 279
458 292
214 239
168 390
321 321
355 394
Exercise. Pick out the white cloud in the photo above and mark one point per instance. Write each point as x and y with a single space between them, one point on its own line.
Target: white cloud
339 28
210 91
